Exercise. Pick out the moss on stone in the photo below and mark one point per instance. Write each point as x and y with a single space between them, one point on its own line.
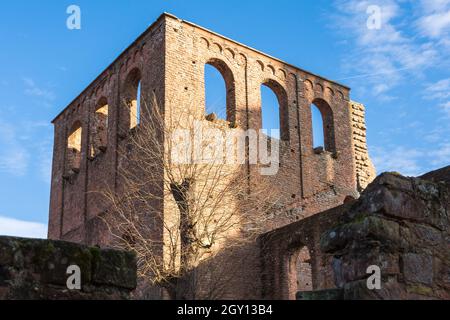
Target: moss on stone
420 289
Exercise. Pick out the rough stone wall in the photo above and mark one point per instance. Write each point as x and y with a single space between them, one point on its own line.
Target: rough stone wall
365 170
169 59
36 270
401 225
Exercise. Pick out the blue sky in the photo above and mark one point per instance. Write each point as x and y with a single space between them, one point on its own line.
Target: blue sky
400 72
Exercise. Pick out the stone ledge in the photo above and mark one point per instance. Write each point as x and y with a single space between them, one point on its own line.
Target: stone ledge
36 269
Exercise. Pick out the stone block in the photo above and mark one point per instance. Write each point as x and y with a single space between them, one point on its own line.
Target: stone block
114 268
331 294
36 270
418 268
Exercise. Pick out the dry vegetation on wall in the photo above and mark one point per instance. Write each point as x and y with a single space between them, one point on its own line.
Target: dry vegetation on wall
177 214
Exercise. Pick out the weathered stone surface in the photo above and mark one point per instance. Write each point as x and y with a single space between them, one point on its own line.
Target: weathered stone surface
439 176
332 294
400 225
36 269
366 227
114 268
418 268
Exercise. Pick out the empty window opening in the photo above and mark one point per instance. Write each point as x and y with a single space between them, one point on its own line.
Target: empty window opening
74 148
270 110
220 99
133 94
304 271
215 92
274 110
135 107
318 129
322 126
136 117
99 136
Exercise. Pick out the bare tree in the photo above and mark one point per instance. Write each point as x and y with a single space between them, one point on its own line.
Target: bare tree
179 199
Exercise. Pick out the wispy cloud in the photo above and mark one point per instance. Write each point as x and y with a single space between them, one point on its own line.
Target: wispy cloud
386 57
439 92
32 89
441 156
20 228
45 160
399 159
412 161
436 21
25 144
14 157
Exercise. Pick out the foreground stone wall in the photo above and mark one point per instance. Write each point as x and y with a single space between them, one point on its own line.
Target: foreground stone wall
36 270
401 225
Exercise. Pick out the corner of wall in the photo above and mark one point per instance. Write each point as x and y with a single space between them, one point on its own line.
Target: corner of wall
365 170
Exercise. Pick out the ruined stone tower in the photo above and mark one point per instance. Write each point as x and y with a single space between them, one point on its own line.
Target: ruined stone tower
168 61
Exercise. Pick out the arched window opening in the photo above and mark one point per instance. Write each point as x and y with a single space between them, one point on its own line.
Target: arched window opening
219 91
133 96
136 110
99 136
74 148
318 129
274 109
304 271
322 126
215 92
270 110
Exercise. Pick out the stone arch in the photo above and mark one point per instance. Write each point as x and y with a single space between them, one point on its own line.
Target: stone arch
282 98
271 69
74 145
261 64
308 84
99 128
204 42
327 116
230 87
132 99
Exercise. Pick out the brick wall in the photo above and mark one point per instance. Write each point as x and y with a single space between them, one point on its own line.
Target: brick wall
169 59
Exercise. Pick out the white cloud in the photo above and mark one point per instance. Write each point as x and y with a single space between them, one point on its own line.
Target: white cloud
32 89
45 160
398 159
446 108
15 161
14 157
24 145
440 92
436 21
388 57
435 24
441 155
19 228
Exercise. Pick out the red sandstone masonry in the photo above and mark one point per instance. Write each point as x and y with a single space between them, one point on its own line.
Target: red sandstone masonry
170 57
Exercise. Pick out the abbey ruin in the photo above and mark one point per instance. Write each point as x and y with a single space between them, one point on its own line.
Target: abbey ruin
166 64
